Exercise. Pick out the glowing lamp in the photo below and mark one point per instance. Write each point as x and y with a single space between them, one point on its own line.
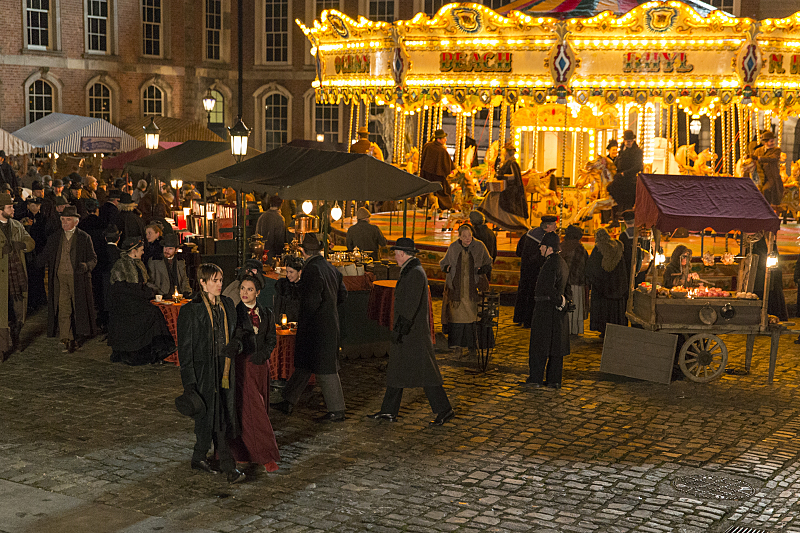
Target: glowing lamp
308 207
239 134
694 127
320 137
176 184
209 101
772 260
336 212
186 211
284 320
151 134
660 258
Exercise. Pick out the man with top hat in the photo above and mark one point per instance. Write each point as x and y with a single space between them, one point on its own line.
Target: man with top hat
322 291
272 226
362 145
70 258
365 236
528 250
412 362
128 220
550 339
169 274
14 242
629 163
435 164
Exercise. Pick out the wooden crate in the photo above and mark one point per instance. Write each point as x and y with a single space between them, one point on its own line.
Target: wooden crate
638 353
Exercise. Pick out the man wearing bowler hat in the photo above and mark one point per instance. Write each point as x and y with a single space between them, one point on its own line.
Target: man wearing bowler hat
14 242
70 258
435 164
317 343
412 362
362 145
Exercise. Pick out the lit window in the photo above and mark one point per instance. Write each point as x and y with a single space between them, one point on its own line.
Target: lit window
381 10
322 5
218 113
496 4
432 6
728 6
40 100
97 25
39 17
276 121
326 121
276 31
100 101
153 101
151 27
213 29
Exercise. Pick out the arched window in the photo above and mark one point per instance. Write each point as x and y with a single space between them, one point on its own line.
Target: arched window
218 113
276 121
326 121
153 102
100 101
40 100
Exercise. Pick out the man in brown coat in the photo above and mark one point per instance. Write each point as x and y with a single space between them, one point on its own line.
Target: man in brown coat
435 164
363 144
768 158
14 242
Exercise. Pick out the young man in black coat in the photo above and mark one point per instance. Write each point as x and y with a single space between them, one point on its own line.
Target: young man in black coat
206 345
317 345
530 263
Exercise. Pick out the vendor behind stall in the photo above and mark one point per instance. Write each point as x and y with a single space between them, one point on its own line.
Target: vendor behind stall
679 270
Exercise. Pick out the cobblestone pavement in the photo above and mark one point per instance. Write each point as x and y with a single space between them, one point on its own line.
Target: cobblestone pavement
91 440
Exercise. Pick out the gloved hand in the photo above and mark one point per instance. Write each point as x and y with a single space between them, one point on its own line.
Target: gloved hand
18 245
83 268
485 269
446 269
231 350
397 338
563 303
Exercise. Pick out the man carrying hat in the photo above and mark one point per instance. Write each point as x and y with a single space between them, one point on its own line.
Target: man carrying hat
629 163
412 362
169 274
317 343
367 237
70 258
435 164
362 145
14 242
550 338
530 263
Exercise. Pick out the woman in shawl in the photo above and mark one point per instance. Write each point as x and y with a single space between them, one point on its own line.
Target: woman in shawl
608 276
776 303
137 331
287 291
465 263
576 256
678 272
509 208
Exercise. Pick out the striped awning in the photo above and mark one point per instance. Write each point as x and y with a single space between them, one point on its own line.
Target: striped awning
171 129
14 145
586 8
74 134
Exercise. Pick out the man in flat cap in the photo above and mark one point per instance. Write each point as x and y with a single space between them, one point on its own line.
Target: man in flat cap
14 242
531 261
362 145
317 344
70 258
435 164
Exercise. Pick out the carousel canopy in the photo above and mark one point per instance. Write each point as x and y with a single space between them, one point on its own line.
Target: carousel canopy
14 145
724 204
308 174
585 8
74 134
189 161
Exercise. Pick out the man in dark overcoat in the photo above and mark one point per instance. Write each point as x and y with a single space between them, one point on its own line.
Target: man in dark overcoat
435 164
530 263
322 291
70 258
109 209
412 362
629 163
550 337
206 328
128 220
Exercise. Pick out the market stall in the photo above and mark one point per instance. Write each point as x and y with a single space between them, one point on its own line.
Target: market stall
666 203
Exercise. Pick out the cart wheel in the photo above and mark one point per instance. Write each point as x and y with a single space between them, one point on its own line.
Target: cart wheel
703 357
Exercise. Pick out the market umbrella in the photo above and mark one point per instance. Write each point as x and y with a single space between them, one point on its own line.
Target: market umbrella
309 174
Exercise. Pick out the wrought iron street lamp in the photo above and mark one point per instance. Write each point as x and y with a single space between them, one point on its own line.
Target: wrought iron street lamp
151 134
208 104
239 134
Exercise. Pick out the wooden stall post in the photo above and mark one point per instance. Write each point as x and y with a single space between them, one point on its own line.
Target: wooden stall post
765 303
654 281
632 281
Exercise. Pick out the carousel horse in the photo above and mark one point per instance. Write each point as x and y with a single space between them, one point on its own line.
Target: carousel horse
490 158
685 156
705 163
535 180
412 161
596 175
791 192
744 167
375 151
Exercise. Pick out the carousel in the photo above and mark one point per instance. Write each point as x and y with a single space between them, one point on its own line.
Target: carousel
697 91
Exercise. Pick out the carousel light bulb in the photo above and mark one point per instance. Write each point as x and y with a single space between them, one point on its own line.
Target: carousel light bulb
308 207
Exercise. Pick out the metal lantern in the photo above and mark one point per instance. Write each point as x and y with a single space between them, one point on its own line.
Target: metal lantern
151 135
239 134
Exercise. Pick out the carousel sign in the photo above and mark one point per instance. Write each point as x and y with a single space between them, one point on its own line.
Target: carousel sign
475 62
633 62
351 64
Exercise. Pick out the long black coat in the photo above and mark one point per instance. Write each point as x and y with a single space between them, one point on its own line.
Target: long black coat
257 347
412 362
82 251
108 213
609 292
550 327
202 366
531 263
129 224
513 198
630 163
321 292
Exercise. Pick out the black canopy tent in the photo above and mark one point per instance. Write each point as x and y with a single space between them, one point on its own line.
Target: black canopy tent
189 161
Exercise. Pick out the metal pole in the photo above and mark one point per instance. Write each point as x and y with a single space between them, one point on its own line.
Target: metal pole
405 216
242 232
240 31
414 220
325 215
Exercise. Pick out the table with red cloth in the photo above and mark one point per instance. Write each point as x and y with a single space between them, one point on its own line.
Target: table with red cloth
281 362
381 304
170 311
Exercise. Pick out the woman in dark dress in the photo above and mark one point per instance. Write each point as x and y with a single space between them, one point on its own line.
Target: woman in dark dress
137 331
608 276
287 291
152 245
255 331
509 208
776 304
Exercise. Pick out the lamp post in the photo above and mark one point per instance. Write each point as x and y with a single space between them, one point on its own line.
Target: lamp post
176 186
239 134
208 104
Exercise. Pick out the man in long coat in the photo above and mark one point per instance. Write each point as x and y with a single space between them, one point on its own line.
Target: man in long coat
550 338
127 220
412 362
363 144
768 159
70 258
435 164
206 328
629 163
14 242
272 226
367 237
317 345
531 262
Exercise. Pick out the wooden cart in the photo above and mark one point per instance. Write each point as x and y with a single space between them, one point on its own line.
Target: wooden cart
666 203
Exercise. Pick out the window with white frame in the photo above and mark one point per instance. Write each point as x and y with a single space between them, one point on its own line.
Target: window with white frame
276 31
97 25
496 4
276 121
213 29
217 115
151 27
322 5
40 100
326 121
382 10
728 6
153 101
100 101
433 6
39 16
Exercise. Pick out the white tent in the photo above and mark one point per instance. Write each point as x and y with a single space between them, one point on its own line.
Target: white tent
74 134
14 145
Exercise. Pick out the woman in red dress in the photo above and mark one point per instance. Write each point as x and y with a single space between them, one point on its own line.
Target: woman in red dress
255 331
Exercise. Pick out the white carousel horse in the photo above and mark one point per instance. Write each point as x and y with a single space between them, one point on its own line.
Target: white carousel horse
744 167
685 156
791 191
536 180
596 175
691 163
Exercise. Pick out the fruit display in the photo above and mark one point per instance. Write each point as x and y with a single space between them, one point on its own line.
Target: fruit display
679 292
709 292
747 295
